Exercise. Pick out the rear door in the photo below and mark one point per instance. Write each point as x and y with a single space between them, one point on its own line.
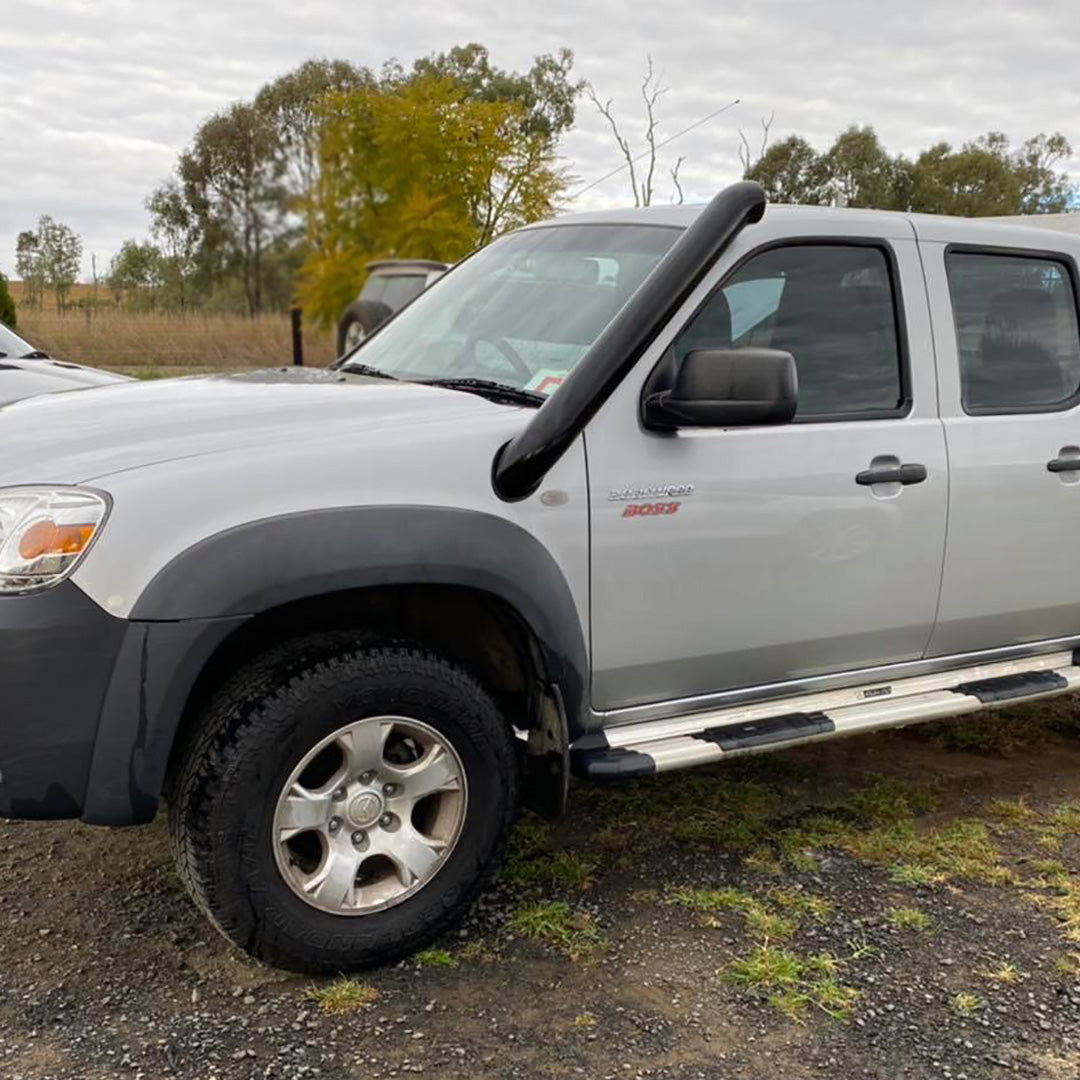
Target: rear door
1006 327
728 558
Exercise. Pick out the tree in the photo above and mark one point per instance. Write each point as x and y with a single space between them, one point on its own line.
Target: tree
791 172
175 228
230 179
859 172
545 93
49 257
293 107
419 169
985 177
135 274
7 305
29 267
652 90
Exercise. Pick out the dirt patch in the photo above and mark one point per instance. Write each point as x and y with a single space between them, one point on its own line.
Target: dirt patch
918 892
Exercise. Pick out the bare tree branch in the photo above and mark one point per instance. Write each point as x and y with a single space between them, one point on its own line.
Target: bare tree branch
678 200
746 155
604 109
652 89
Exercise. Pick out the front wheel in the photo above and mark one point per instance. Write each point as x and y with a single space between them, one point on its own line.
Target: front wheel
346 809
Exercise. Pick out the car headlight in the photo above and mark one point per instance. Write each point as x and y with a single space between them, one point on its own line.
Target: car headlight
44 533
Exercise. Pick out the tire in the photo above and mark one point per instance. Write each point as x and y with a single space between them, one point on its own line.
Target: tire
361 317
252 738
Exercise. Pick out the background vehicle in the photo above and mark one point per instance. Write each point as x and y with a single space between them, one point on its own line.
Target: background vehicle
26 371
390 285
348 619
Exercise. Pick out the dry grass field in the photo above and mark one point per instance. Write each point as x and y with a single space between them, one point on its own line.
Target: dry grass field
157 344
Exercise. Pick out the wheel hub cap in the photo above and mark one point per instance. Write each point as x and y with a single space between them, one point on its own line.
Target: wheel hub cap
365 809
369 815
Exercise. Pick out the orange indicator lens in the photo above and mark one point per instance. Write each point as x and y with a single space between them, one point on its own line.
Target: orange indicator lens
48 538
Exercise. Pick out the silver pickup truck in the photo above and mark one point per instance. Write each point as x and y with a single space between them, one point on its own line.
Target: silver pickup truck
621 493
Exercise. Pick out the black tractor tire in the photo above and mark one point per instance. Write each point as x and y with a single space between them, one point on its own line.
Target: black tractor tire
367 315
257 728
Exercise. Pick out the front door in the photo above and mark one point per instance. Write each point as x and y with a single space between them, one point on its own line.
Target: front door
1009 361
728 558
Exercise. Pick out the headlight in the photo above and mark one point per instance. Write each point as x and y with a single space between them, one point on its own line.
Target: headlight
44 532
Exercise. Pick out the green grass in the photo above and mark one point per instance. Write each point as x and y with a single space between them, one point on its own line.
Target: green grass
434 958
1003 973
555 924
774 916
913 874
797 982
1014 812
906 918
532 864
1068 964
703 900
584 1020
967 1004
342 995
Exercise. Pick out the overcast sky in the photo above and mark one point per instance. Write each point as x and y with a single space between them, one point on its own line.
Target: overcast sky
97 97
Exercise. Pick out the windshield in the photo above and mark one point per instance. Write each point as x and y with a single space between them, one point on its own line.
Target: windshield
11 344
523 311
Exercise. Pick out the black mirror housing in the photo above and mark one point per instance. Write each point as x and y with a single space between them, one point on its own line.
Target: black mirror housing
727 388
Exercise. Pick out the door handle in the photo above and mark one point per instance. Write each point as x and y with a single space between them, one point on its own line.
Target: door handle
892 474
1063 464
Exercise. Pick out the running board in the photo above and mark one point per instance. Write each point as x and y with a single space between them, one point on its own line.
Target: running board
641 749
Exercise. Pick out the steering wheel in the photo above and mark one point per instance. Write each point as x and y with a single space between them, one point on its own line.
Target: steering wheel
505 350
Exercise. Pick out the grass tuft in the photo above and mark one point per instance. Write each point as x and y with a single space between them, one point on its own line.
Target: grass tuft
342 995
532 864
906 918
584 1020
1003 973
555 924
796 982
967 1004
434 958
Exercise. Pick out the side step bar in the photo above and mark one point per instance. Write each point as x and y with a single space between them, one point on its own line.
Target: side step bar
659 745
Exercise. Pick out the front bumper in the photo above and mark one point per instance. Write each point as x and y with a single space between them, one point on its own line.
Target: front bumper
57 653
90 705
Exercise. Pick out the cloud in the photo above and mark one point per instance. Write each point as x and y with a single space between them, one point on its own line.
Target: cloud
105 93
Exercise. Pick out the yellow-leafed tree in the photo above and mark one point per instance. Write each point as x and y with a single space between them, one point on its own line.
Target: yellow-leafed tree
417 169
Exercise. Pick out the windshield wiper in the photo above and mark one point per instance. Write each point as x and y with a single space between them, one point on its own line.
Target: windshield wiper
489 388
367 369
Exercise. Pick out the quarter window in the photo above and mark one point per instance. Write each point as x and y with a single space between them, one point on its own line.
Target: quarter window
1016 331
832 306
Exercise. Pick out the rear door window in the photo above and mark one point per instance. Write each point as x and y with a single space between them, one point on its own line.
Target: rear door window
1016 332
401 289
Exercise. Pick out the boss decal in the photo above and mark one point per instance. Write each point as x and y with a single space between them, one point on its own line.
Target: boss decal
655 509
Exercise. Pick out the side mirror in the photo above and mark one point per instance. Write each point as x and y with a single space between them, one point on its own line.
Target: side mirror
727 388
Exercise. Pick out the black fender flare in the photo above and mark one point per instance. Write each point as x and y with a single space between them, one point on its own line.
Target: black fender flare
212 588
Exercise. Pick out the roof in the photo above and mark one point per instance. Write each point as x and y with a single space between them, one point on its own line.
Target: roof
1068 223
1028 231
393 267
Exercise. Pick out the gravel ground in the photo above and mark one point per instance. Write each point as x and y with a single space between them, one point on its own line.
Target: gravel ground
108 971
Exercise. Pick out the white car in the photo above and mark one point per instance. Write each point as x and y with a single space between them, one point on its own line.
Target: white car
26 371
